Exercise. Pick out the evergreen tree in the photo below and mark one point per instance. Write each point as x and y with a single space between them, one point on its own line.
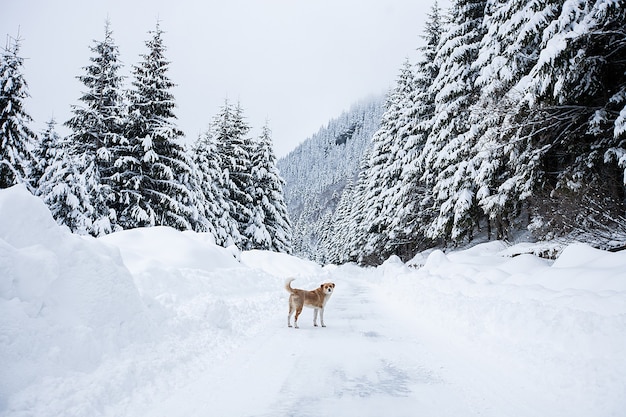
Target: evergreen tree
97 131
155 172
413 200
388 145
270 228
16 138
356 242
508 51
233 147
575 98
232 157
61 187
448 149
343 227
44 153
211 204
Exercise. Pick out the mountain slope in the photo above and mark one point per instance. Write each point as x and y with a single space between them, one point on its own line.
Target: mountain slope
317 171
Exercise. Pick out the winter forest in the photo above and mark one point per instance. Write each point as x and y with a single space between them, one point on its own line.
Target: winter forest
123 165
512 123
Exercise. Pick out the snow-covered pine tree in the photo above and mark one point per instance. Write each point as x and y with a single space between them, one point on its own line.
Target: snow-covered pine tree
448 149
44 152
508 51
229 131
156 173
97 127
386 155
212 204
413 201
61 187
353 251
270 228
576 94
342 229
16 138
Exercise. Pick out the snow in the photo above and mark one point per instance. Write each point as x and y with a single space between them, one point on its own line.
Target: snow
156 322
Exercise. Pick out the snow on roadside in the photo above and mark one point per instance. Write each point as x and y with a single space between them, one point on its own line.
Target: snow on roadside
94 327
66 302
564 322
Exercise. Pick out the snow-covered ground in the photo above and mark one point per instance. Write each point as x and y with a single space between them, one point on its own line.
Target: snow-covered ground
156 322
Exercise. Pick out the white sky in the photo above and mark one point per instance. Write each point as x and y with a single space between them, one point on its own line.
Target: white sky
296 63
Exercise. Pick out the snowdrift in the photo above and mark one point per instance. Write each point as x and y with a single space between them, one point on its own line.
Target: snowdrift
563 323
65 301
124 313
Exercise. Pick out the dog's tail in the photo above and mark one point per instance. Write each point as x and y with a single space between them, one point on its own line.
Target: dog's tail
288 285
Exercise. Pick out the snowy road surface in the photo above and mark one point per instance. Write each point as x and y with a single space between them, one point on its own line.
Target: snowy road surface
367 362
160 323
370 361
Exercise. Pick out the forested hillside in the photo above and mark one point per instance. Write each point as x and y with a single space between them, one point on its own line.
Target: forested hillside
513 120
317 171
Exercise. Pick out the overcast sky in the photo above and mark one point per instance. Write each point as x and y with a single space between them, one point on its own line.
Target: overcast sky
296 63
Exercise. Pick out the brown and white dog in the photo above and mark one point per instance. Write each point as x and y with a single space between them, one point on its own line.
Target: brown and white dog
315 299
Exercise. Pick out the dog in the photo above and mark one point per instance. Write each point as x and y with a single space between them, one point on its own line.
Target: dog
315 299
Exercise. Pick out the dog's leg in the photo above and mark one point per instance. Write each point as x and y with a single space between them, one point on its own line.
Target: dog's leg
322 316
315 317
290 313
295 322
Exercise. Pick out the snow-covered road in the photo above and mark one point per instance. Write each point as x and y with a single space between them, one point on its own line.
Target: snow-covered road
371 360
367 362
361 364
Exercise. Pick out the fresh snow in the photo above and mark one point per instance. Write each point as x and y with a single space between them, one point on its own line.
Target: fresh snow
156 322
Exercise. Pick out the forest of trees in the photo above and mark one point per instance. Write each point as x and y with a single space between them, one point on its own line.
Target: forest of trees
123 164
513 118
511 125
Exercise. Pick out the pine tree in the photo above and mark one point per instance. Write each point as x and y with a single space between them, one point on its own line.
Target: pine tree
97 131
16 138
388 146
232 150
413 200
357 241
233 147
155 171
45 152
270 228
508 51
343 227
61 187
447 151
212 204
575 96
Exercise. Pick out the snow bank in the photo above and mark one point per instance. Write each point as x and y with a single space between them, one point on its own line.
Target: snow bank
65 301
91 326
166 248
564 320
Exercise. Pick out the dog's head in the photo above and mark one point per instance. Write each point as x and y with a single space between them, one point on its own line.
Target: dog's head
327 288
